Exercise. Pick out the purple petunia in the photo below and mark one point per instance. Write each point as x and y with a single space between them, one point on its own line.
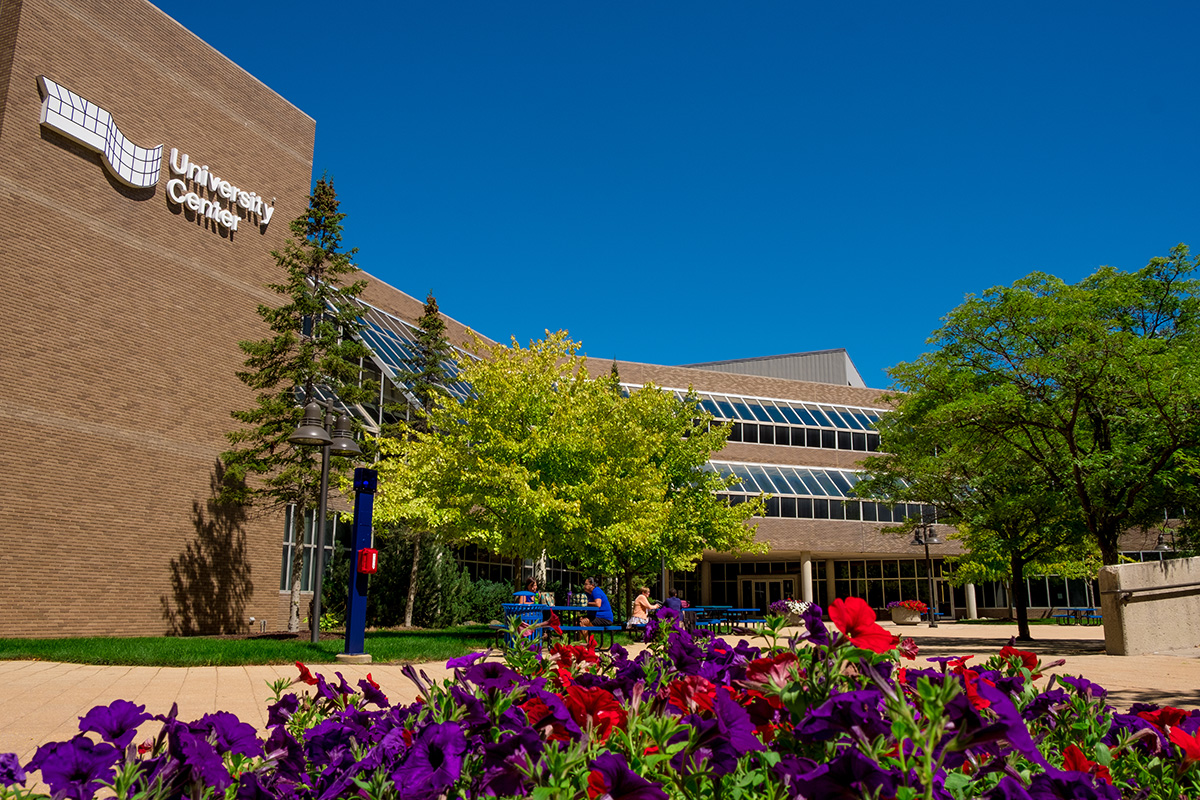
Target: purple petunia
1083 686
435 761
465 661
817 632
229 734
117 722
849 775
372 693
491 675
75 769
203 761
859 713
279 713
11 773
1068 785
612 778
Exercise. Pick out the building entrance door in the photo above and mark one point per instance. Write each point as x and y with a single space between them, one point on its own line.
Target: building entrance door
761 592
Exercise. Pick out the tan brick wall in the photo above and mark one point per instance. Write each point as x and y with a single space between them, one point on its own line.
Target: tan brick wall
121 324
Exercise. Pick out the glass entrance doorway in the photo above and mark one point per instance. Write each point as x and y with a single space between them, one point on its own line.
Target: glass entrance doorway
761 592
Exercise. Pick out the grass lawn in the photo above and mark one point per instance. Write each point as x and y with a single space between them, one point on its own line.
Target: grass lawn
990 621
203 651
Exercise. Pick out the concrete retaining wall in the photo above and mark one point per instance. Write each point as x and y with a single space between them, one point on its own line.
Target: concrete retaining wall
1145 608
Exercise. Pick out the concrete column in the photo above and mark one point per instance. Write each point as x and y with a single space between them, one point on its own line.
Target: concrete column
972 611
806 584
830 586
706 583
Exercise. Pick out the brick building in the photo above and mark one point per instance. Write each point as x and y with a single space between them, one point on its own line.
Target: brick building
124 306
144 181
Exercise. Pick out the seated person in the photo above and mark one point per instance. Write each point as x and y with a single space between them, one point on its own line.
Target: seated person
674 603
642 607
596 597
530 595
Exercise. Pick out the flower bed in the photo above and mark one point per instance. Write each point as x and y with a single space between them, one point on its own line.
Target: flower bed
852 714
911 605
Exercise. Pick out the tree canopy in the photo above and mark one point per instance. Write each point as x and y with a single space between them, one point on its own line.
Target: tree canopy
1091 388
544 457
1009 520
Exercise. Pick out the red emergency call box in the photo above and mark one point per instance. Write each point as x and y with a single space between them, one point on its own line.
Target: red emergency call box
368 560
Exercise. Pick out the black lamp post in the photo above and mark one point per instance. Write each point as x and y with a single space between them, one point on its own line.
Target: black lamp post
314 431
926 535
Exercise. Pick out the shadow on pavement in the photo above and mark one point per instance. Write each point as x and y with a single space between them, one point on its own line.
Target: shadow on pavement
989 646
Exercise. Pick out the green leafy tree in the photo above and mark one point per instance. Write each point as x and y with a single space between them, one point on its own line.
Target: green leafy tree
1009 520
310 344
425 376
1093 385
545 458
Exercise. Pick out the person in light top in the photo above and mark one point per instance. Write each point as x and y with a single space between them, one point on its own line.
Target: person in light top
642 607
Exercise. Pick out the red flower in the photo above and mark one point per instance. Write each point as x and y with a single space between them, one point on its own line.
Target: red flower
554 624
856 619
692 693
371 681
908 648
305 675
775 670
1028 660
1073 759
1188 743
569 654
536 709
1165 717
597 785
595 708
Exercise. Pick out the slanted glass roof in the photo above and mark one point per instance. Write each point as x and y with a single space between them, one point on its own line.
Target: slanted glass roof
777 479
784 412
392 341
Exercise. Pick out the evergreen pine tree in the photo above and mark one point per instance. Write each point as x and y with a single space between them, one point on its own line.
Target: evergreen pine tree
311 344
425 375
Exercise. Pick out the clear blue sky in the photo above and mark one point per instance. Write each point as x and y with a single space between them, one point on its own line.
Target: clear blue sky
679 182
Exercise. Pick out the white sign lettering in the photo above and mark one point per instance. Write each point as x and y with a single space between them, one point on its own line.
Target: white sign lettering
197 188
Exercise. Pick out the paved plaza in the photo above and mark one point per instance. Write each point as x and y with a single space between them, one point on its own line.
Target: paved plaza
46 699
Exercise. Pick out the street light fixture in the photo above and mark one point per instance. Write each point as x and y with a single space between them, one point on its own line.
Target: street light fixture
314 430
925 535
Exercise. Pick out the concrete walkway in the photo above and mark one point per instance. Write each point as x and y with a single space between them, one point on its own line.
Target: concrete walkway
44 700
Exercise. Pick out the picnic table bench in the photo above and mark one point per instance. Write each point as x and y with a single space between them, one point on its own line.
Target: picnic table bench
534 613
1082 615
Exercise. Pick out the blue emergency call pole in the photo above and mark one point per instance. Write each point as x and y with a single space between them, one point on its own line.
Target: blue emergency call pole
364 562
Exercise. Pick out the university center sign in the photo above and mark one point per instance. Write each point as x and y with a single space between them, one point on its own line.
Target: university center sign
195 187
181 191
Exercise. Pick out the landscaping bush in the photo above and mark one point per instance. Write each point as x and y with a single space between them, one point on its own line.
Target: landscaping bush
445 593
850 715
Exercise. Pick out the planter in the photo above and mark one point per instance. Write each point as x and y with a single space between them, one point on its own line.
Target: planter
905 616
792 619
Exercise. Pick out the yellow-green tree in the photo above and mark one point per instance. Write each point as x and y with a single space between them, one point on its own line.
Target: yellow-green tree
545 457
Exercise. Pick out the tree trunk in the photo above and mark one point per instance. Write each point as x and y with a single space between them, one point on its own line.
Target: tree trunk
1107 536
1017 594
297 567
412 581
628 593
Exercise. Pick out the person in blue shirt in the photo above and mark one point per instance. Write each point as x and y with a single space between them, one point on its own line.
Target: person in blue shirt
603 614
674 602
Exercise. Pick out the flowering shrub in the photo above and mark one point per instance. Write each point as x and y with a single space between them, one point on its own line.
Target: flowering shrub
911 605
788 606
848 715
